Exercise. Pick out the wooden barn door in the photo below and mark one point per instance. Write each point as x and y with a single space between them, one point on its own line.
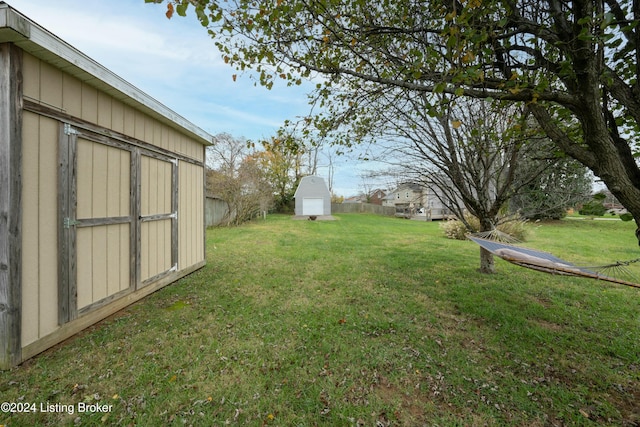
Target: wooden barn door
158 206
96 220
118 215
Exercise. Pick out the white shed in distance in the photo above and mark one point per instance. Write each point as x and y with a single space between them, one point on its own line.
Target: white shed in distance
312 197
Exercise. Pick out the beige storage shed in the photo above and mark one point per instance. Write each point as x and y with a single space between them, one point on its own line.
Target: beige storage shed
101 191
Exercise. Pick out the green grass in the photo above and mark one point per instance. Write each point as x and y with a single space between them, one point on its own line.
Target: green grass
361 321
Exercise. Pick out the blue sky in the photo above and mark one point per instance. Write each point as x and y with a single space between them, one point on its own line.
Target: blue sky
176 62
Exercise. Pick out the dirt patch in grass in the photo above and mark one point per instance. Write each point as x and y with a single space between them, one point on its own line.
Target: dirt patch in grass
550 326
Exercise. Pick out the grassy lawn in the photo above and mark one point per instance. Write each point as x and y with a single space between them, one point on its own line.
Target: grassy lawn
364 321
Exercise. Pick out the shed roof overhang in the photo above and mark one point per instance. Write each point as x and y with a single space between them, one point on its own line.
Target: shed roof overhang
37 41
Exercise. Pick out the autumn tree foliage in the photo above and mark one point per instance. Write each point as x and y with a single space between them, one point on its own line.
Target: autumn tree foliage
281 164
235 176
574 64
255 177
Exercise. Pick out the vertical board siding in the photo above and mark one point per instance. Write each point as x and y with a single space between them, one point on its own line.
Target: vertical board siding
113 248
104 110
30 224
166 140
190 214
45 83
129 121
139 125
85 178
84 237
89 97
98 262
31 76
156 189
106 255
40 228
146 247
103 262
156 248
48 225
125 256
113 183
99 179
71 96
103 180
50 85
103 186
155 186
117 116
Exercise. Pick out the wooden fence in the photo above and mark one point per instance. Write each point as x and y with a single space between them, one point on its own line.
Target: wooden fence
215 211
362 208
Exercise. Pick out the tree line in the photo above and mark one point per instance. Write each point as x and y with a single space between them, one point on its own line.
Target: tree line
563 75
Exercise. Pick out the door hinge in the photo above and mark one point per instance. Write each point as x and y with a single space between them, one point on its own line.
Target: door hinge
69 130
68 222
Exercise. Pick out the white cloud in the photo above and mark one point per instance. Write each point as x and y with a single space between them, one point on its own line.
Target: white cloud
176 62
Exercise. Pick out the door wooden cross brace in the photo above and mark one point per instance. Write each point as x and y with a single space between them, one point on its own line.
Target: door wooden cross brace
118 219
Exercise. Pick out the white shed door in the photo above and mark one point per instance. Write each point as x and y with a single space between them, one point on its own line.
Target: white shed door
312 206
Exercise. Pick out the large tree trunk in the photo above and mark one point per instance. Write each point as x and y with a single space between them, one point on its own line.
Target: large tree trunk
621 185
487 265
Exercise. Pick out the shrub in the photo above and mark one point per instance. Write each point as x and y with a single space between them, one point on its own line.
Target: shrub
593 208
512 225
626 216
454 229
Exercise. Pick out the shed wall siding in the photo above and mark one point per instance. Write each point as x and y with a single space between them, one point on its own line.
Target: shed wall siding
103 262
103 180
105 172
103 183
190 214
39 237
52 87
156 193
155 248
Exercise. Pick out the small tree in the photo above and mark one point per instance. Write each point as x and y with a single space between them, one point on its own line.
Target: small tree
594 207
234 176
553 192
470 153
280 163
